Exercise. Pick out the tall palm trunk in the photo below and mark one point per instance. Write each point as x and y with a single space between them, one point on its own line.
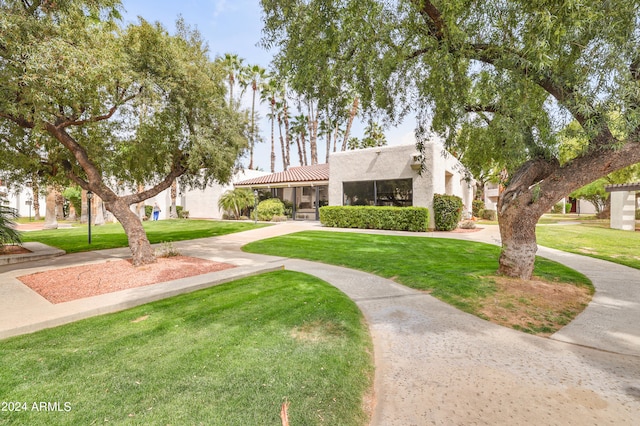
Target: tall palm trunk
253 129
287 130
140 206
35 190
282 145
352 115
173 211
273 139
313 133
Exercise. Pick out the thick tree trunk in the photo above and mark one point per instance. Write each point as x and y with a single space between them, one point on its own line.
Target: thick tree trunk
141 249
50 221
59 206
518 234
520 206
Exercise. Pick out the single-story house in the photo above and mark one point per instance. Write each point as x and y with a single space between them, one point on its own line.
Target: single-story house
382 176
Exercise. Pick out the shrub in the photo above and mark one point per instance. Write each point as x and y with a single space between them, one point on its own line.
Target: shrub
184 214
269 208
467 224
491 215
8 232
447 211
148 211
235 201
167 250
557 208
414 219
477 207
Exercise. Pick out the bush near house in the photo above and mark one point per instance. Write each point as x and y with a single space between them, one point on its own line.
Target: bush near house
477 207
8 232
269 208
414 219
488 214
447 211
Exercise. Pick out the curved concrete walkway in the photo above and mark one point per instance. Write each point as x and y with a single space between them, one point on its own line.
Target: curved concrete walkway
435 364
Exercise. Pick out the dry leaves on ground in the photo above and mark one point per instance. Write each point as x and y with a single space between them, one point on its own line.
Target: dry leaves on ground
536 306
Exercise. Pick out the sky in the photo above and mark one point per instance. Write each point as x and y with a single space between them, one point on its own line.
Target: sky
235 26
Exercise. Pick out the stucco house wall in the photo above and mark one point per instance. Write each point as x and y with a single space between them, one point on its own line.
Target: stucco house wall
442 174
200 203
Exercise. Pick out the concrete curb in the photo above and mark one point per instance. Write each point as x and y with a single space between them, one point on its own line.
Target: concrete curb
39 251
78 309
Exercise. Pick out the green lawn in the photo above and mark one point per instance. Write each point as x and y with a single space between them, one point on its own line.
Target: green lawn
457 272
112 235
229 355
594 240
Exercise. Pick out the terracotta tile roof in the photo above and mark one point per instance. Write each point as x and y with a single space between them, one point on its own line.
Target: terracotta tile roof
634 186
315 173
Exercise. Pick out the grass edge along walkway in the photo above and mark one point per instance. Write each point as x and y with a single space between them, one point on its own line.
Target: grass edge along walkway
457 272
230 354
593 240
74 240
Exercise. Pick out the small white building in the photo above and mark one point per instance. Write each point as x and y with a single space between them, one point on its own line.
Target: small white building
381 176
200 203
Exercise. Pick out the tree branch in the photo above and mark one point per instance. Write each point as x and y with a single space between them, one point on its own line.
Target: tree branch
108 115
20 121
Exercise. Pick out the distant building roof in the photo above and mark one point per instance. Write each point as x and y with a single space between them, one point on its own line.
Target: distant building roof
317 174
623 187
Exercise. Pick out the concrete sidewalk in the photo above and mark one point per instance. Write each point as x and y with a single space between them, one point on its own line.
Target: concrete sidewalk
434 363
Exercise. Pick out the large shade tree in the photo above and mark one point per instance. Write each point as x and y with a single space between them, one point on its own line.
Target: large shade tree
110 106
519 70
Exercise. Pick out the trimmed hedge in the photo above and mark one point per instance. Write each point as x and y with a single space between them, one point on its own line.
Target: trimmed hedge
447 211
269 208
414 219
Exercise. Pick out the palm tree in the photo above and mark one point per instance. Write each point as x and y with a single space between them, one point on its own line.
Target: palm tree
374 136
232 64
352 115
299 130
236 200
35 191
8 232
284 147
269 93
173 211
255 77
312 123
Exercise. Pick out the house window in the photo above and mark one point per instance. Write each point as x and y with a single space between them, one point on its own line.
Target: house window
396 192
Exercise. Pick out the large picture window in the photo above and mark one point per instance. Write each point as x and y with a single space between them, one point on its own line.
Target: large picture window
396 192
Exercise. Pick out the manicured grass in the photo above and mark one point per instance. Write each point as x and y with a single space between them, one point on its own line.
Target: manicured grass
593 240
229 355
112 235
457 272
551 218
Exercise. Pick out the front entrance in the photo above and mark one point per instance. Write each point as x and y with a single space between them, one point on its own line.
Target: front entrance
305 201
